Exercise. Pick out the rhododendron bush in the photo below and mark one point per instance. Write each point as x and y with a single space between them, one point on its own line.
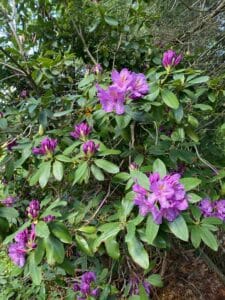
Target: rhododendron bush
99 182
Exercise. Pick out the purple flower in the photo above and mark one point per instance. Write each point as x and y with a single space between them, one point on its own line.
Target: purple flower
206 207
76 287
123 79
49 218
11 145
135 282
22 237
33 209
112 99
220 209
9 201
81 131
213 208
171 59
17 253
90 148
24 242
31 238
48 146
85 288
88 277
24 94
139 86
95 292
97 69
133 166
1 114
166 197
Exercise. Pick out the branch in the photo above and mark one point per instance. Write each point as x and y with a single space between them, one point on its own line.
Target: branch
20 69
80 34
213 14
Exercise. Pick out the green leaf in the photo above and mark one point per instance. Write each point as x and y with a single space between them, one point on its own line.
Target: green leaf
58 170
35 177
107 166
123 121
54 250
62 113
41 229
112 248
155 280
61 232
193 198
39 251
34 270
208 238
111 21
136 248
195 236
97 173
45 173
109 230
198 80
87 229
141 178
8 213
190 183
151 229
127 205
203 107
80 172
64 158
212 220
122 176
179 228
159 167
170 99
83 245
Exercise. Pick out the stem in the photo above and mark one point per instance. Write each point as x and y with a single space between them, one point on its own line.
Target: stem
80 34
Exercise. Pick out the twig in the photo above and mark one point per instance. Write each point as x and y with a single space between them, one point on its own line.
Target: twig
205 162
101 204
80 34
21 70
211 265
164 264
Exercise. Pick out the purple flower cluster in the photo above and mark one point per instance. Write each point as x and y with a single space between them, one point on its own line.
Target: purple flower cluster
97 69
85 286
213 208
24 242
166 197
135 282
47 146
11 145
90 148
9 201
49 218
125 84
170 59
33 209
81 131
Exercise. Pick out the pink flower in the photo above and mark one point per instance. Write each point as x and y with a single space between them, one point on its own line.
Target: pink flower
81 131
166 197
123 79
171 59
90 148
48 146
112 99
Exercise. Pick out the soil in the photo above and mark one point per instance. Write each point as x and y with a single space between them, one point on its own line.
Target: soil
190 277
